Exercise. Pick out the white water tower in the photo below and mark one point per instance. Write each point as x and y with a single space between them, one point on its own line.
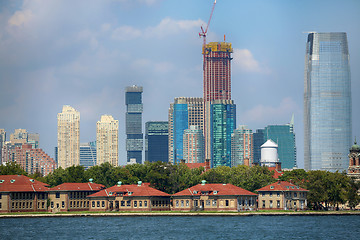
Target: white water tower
269 154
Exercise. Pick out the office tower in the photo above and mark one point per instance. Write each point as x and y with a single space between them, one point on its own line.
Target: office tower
258 140
134 134
2 142
222 123
183 113
327 102
107 138
88 154
156 141
217 84
194 148
19 136
284 136
32 160
68 137
33 139
241 146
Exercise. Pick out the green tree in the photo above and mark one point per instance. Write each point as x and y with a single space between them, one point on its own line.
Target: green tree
295 176
12 168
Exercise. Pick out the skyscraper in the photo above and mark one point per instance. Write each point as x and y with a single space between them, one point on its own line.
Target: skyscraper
107 137
241 145
183 113
156 141
327 102
217 86
284 136
68 137
194 148
222 124
88 154
134 134
2 142
258 140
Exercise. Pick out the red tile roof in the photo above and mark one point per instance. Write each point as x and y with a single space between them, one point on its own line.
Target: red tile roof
281 186
21 183
277 173
130 190
198 165
214 189
78 187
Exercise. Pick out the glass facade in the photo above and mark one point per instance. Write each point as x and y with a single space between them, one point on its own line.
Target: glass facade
327 102
134 134
258 140
241 146
180 124
156 141
193 139
284 137
88 154
223 121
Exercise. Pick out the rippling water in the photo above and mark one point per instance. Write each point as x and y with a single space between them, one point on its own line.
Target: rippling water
183 227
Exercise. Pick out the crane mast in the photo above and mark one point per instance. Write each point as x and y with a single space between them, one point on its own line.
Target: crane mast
203 32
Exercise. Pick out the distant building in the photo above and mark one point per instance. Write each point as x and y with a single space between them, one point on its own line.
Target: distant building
88 154
327 102
183 113
214 197
156 141
2 142
34 139
282 196
258 140
32 160
107 137
354 162
194 147
19 136
223 122
241 146
284 136
68 137
134 133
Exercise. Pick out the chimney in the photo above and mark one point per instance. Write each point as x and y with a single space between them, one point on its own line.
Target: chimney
278 166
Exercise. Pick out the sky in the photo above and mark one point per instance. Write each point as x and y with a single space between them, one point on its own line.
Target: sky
84 53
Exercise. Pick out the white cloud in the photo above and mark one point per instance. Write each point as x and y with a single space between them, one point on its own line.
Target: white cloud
244 61
21 18
124 33
270 114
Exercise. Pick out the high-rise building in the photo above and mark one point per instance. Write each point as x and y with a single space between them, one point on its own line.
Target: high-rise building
327 102
217 86
31 159
258 140
88 154
33 139
68 137
284 136
156 141
19 136
134 134
2 142
222 122
194 148
183 113
241 146
107 137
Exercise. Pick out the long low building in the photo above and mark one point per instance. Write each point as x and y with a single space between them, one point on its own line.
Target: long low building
140 197
214 197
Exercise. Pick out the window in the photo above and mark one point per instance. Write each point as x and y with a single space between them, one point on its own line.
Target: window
0 205
122 203
77 204
278 204
57 205
214 203
52 204
207 202
187 203
128 203
263 205
145 203
278 194
271 194
140 203
0 195
103 203
63 204
226 203
98 203
43 205
271 204
295 194
177 203
182 203
93 203
135 203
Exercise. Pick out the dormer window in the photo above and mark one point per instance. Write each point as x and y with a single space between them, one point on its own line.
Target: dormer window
272 187
195 192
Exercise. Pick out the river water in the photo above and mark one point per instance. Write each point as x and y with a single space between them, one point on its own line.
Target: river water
183 227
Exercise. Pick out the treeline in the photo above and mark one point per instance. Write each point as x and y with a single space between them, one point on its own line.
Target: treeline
326 189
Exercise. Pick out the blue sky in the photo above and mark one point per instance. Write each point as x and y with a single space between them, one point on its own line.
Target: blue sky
84 53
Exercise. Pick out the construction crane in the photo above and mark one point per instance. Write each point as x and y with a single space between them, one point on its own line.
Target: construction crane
203 33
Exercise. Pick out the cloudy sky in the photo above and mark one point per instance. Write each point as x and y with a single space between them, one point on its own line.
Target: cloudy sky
84 53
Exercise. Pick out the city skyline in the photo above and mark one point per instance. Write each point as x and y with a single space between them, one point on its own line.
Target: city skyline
87 59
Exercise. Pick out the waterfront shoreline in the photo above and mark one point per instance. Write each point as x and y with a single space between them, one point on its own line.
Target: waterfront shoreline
178 214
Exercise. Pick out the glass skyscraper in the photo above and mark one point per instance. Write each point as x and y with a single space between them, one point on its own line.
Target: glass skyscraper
156 141
88 154
241 146
258 140
134 134
327 102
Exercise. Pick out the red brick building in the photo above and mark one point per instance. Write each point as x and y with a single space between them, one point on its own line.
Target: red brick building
282 195
72 196
31 159
140 197
19 193
214 197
